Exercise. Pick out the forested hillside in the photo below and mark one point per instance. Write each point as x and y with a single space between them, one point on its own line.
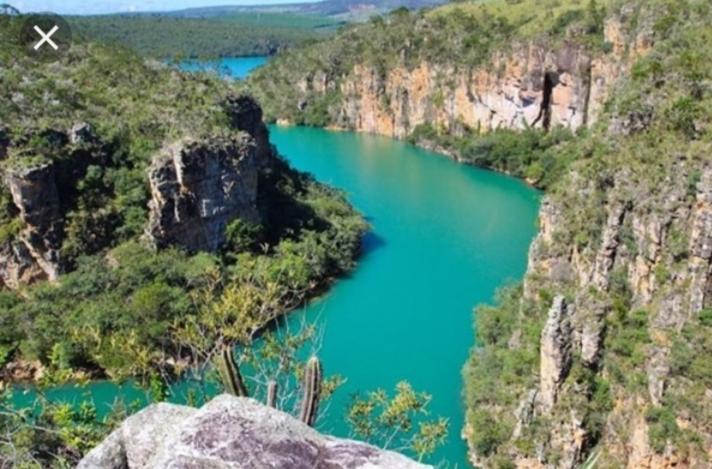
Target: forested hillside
602 355
227 35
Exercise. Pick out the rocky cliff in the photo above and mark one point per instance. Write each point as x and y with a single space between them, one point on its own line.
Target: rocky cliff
631 292
605 350
525 83
535 85
197 184
231 432
197 188
41 190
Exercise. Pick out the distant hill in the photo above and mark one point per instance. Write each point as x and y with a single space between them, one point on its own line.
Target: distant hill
345 9
232 30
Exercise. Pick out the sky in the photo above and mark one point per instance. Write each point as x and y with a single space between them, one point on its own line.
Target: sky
91 7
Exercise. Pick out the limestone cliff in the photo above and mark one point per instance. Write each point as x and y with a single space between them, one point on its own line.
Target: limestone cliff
231 432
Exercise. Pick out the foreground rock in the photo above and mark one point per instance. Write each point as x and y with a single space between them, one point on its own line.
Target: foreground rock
231 432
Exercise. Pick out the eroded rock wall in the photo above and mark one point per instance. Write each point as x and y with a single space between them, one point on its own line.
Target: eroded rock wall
198 185
531 84
35 253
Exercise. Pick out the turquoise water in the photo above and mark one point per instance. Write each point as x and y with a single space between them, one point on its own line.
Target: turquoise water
445 237
232 67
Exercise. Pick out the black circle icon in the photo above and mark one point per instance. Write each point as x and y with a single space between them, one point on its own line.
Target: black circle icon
45 37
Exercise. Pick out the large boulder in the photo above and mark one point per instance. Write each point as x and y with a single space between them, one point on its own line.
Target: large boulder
231 432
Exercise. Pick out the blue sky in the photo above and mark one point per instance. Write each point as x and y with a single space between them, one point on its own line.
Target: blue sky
88 7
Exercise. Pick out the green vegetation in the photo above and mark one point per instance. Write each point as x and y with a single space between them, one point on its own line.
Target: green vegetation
116 310
532 154
55 434
120 310
390 421
235 34
495 371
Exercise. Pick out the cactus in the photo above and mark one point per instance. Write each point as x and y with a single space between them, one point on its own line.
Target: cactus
230 373
272 393
312 391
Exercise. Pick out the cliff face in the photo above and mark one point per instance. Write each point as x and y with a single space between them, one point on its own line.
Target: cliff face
231 432
614 314
198 188
536 83
531 86
654 254
36 253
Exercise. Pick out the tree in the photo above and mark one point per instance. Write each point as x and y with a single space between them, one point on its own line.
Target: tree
390 422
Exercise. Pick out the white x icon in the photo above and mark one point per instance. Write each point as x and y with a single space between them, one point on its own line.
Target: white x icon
46 37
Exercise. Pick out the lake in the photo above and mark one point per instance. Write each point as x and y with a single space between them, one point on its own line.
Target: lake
232 67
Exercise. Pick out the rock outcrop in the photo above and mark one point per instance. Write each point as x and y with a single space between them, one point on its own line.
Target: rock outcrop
18 267
555 351
648 273
246 115
231 432
34 193
42 190
198 187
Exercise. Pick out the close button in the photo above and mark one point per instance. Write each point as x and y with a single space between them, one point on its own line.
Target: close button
45 36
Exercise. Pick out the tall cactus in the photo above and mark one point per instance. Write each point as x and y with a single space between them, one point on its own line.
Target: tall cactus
272 393
312 391
230 373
